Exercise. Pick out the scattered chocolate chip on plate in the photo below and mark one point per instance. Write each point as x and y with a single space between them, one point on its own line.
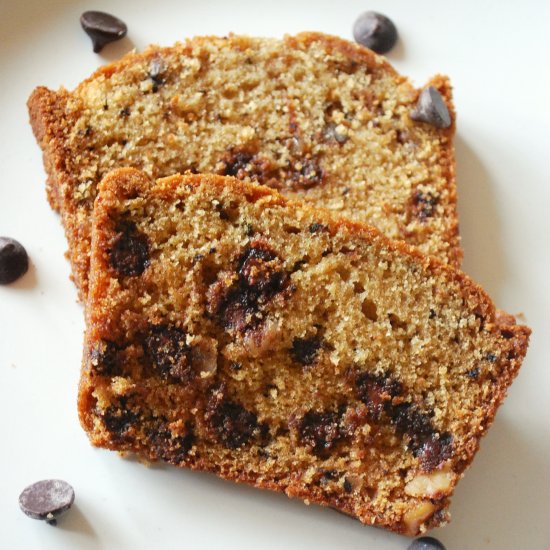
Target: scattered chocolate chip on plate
14 261
426 543
47 499
375 31
103 28
431 108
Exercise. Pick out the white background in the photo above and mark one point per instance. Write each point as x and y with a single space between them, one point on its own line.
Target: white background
497 54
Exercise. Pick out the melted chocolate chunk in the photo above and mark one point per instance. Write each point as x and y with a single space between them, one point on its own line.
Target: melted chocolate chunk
104 358
167 348
237 299
236 163
170 448
425 442
118 420
435 449
233 425
129 255
376 392
305 350
321 431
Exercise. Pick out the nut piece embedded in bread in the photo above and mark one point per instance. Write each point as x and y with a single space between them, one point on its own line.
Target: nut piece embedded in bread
317 117
233 331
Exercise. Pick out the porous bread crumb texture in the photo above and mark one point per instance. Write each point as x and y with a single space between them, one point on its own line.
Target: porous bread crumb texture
314 116
233 331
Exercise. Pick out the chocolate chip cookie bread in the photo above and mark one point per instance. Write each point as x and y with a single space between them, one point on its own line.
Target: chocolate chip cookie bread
234 331
313 116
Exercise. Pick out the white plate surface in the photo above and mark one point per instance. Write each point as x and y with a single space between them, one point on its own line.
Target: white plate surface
497 56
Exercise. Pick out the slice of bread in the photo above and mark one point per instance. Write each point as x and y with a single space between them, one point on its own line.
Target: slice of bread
233 331
315 116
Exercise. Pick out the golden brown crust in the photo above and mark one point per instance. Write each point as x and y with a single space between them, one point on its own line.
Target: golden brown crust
47 115
475 351
74 169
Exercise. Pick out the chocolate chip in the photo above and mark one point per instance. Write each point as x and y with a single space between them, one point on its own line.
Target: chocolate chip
237 298
422 205
119 419
236 163
125 112
168 350
157 67
306 173
102 28
315 227
233 425
304 350
473 373
130 252
435 450
321 431
376 392
47 499
426 543
375 31
170 448
104 358
347 486
14 261
491 357
431 108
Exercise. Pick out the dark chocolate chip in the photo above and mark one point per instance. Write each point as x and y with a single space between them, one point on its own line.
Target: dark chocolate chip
125 112
119 419
376 392
237 298
236 162
167 347
431 108
14 261
315 227
170 448
347 486
304 350
234 425
47 499
422 205
375 31
473 373
321 431
426 543
130 252
104 358
102 28
435 450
